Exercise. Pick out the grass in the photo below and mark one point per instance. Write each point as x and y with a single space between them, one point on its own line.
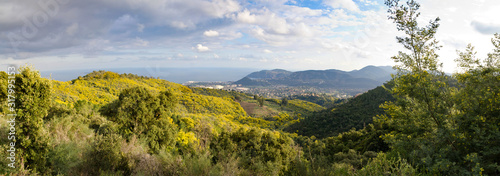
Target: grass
254 110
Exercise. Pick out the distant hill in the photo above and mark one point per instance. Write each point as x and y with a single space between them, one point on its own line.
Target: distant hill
269 74
326 79
381 74
366 78
246 81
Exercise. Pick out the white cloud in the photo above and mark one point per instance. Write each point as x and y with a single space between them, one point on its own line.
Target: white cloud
71 30
245 17
181 25
201 48
186 14
141 42
271 21
267 51
368 2
345 4
140 28
230 35
488 28
211 33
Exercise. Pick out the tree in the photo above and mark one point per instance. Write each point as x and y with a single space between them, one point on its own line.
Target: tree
139 112
284 102
478 105
261 101
32 100
421 113
3 89
443 129
136 110
105 156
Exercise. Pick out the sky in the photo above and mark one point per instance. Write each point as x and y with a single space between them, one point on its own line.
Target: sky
264 34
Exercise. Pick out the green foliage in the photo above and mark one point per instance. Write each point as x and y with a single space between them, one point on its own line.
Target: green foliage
438 128
104 156
69 129
32 102
139 112
220 93
65 158
365 140
272 100
478 105
136 110
259 151
3 89
282 118
198 165
284 101
321 99
421 114
384 165
354 148
294 107
261 101
302 107
355 113
255 122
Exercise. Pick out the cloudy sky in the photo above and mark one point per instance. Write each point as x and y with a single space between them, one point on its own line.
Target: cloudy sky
295 34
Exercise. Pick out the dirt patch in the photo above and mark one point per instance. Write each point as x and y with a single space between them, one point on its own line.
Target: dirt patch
253 109
248 107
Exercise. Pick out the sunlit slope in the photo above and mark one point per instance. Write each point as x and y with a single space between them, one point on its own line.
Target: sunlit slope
102 87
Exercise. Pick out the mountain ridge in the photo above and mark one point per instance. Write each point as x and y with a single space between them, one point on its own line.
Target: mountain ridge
365 78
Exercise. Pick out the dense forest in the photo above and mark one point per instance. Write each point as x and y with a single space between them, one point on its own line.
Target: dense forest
356 113
422 122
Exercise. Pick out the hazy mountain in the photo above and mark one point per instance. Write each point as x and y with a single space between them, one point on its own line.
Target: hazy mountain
326 79
366 78
252 82
382 73
269 74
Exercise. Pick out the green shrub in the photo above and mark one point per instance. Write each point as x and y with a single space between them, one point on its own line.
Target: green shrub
104 156
384 165
64 158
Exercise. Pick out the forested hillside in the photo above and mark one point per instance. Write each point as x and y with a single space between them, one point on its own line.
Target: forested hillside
356 113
